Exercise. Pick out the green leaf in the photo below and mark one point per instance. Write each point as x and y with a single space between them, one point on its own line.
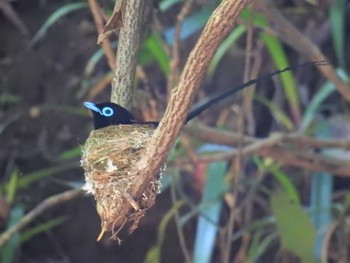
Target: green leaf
155 47
9 250
296 231
153 255
259 245
285 181
11 186
70 154
191 25
225 47
54 17
7 98
33 177
277 113
321 203
324 92
337 21
166 4
27 235
279 57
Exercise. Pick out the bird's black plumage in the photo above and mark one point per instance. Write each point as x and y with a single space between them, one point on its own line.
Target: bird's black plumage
108 113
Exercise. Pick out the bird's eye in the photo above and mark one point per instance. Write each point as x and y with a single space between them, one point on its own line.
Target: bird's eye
107 111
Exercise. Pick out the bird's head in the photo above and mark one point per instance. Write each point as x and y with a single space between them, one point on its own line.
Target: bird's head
108 113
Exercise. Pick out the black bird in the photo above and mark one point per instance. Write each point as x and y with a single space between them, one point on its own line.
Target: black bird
108 113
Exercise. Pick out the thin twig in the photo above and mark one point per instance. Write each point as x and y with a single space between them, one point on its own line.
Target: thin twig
280 147
304 142
175 51
39 209
288 33
11 14
303 160
106 44
247 103
327 240
229 229
180 234
295 140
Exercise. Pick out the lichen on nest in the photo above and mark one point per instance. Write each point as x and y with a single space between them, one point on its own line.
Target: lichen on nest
108 157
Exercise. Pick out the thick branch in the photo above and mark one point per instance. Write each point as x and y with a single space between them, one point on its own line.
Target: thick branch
219 25
128 46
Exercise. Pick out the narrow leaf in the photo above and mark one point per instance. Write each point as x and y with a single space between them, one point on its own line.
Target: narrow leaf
296 231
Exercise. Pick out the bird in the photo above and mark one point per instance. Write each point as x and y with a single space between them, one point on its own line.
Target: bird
108 113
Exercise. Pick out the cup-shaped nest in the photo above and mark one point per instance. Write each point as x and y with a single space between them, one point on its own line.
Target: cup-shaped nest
108 158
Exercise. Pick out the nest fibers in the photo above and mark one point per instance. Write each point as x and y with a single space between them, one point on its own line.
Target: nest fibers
108 157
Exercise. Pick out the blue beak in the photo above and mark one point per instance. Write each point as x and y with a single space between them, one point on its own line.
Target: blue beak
92 106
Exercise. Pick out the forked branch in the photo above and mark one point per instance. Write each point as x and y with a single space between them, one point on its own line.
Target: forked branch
219 25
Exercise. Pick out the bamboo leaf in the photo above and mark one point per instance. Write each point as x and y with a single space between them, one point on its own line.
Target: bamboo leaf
296 231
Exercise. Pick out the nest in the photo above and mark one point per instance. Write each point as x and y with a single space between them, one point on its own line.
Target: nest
108 157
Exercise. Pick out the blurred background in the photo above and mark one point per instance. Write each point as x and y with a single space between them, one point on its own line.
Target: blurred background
284 204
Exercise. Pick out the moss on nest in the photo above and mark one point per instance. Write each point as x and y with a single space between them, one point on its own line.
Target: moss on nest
108 157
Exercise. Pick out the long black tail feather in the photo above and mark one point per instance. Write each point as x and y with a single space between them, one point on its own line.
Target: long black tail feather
194 113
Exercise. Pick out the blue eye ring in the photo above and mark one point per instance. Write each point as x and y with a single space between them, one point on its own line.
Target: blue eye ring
107 111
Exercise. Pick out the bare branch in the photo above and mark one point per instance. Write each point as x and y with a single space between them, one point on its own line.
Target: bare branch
219 25
106 44
291 149
128 46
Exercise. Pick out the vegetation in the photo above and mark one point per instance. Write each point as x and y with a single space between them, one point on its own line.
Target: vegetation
261 177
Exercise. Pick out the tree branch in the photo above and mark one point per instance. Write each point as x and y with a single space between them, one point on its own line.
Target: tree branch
291 149
128 46
219 25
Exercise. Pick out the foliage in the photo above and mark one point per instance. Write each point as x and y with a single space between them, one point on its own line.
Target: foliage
264 200
294 226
